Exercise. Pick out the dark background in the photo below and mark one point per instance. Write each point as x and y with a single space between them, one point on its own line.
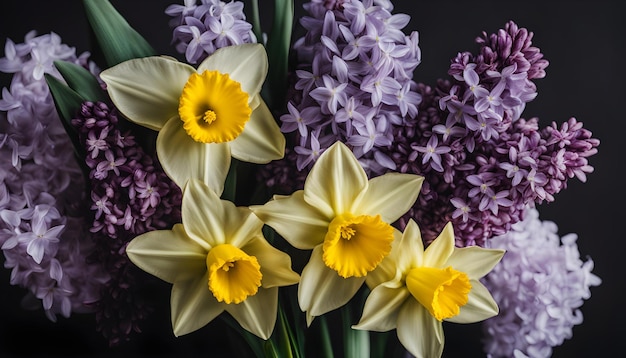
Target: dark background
584 42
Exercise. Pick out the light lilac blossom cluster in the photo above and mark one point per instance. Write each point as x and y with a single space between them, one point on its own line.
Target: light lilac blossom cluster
548 269
201 28
130 195
353 81
483 164
43 235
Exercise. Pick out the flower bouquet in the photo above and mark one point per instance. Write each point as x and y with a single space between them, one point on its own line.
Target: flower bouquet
293 182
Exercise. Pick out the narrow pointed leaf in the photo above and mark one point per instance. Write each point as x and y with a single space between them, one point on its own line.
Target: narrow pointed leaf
117 39
270 349
284 337
327 345
278 44
68 104
230 184
67 100
357 342
81 81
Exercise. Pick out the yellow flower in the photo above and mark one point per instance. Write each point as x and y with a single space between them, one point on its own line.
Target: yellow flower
414 290
217 260
203 116
345 219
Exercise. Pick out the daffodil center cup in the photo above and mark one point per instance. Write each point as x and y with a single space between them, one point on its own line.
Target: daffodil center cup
213 107
442 291
355 245
233 274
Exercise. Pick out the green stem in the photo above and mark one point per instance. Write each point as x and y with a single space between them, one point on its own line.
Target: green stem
256 21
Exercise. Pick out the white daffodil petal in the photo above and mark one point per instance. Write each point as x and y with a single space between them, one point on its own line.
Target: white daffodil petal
261 140
147 90
321 289
241 225
275 264
479 307
438 252
410 249
246 64
193 305
391 195
380 313
203 213
335 180
475 261
419 332
302 225
257 314
167 254
182 158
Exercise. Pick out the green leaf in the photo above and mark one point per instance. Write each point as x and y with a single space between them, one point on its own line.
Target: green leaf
81 81
256 21
278 45
327 345
379 344
117 39
270 350
356 342
66 100
287 342
230 185
68 103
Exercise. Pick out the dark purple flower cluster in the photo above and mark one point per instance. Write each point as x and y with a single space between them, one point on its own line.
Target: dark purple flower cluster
130 195
483 164
200 29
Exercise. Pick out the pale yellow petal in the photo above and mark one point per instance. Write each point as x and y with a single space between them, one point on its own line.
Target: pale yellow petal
380 313
410 250
204 214
302 225
147 90
335 181
193 305
475 261
246 64
167 254
261 140
438 252
391 195
257 314
182 158
419 332
275 264
241 225
321 289
479 307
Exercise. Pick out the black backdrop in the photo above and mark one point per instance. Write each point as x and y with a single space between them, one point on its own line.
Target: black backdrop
583 40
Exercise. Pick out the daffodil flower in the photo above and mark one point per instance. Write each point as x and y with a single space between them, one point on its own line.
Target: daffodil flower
217 260
345 219
414 290
205 115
